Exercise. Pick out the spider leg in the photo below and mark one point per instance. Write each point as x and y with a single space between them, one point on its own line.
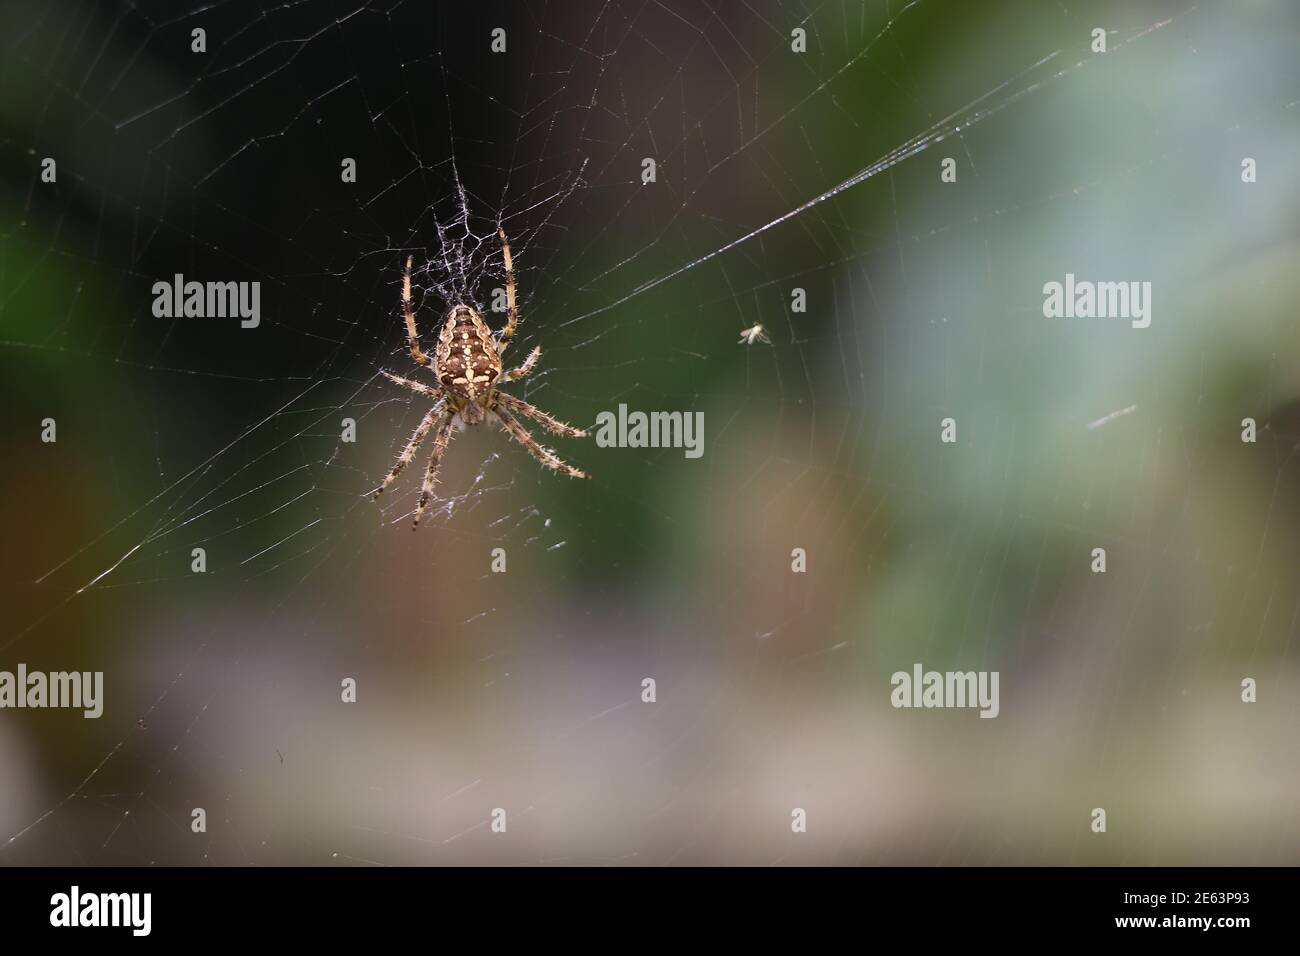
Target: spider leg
440 441
520 434
412 335
512 312
529 364
413 385
539 416
408 453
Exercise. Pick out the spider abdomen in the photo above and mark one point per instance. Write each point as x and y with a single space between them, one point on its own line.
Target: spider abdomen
468 362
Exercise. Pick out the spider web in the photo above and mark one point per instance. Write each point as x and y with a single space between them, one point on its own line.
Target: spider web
775 171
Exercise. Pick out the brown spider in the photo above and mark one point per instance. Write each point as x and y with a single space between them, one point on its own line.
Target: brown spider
467 365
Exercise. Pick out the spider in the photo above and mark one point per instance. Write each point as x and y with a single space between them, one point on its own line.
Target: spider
467 366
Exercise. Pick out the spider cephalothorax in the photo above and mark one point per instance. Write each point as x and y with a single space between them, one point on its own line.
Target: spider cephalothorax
468 369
